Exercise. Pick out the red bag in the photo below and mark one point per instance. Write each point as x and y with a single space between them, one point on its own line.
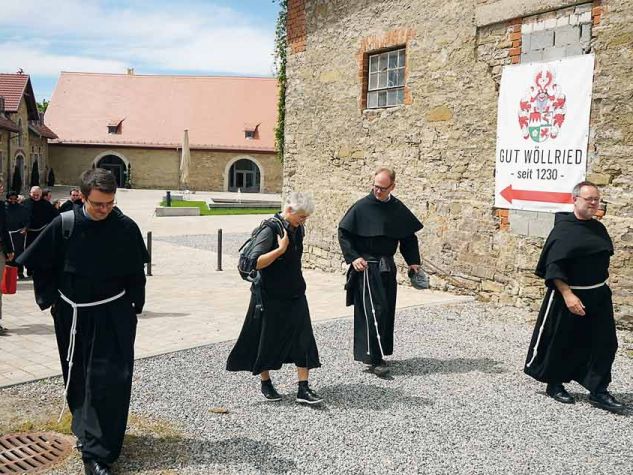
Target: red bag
9 280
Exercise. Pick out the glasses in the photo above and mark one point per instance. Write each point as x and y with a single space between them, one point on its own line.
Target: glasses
97 205
382 189
591 199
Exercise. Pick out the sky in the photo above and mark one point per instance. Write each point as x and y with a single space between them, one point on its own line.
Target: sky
194 37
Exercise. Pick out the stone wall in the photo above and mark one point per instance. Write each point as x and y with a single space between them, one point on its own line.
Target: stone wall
159 168
442 143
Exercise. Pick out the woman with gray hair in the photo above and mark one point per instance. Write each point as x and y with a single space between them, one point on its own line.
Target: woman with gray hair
277 328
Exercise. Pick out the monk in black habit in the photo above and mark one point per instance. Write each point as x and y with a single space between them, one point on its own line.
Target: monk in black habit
40 212
94 282
277 328
574 337
369 235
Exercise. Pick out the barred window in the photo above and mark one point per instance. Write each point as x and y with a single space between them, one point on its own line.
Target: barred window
386 79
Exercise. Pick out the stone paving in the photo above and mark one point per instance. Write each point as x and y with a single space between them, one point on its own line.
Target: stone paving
189 302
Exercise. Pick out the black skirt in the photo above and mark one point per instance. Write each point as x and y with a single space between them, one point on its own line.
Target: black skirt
282 333
567 347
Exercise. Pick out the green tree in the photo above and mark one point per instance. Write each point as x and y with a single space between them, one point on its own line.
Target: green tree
281 44
42 106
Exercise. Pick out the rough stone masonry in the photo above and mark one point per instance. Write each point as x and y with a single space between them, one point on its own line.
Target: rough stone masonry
441 140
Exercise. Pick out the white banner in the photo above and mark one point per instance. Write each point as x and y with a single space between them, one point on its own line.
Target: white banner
542 133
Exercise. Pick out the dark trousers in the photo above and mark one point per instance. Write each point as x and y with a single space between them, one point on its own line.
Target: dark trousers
101 378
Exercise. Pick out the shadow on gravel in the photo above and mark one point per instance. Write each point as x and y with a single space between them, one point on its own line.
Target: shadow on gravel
146 315
365 396
146 452
34 329
422 366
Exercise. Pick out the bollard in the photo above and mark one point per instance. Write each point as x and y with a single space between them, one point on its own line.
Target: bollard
149 251
219 250
168 199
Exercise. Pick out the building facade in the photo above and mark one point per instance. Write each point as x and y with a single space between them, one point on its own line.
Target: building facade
23 135
414 85
134 125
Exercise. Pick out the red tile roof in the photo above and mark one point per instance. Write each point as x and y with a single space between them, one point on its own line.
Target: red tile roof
13 87
42 130
155 110
7 124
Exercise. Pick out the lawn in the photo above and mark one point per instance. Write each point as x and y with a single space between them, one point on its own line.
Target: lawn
205 211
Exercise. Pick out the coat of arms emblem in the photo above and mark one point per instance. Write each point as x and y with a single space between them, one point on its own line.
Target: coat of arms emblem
542 109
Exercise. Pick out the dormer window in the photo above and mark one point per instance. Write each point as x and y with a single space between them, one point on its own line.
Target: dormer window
114 126
251 132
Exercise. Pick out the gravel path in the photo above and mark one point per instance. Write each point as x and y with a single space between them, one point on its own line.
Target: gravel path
458 403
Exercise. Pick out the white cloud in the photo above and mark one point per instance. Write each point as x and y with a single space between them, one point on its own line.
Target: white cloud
37 62
74 35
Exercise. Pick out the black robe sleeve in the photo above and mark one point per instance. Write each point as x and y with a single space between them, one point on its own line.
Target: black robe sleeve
346 241
7 247
43 257
410 250
264 242
556 270
135 282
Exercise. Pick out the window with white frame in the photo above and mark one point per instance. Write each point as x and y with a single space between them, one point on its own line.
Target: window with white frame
385 86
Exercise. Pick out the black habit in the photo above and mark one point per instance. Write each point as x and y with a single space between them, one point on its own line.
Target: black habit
99 261
372 229
282 331
17 220
565 346
39 214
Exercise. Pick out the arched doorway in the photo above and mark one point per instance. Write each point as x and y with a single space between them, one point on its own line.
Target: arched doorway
35 174
245 175
115 165
17 181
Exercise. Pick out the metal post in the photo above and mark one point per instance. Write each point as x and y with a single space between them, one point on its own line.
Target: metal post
219 249
168 198
149 251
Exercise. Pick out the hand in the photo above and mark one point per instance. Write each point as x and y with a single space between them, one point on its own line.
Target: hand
574 304
23 231
283 242
415 268
10 256
359 264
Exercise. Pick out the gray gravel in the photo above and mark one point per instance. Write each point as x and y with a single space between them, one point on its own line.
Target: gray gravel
458 403
231 242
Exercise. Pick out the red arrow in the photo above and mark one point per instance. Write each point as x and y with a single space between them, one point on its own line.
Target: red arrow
530 195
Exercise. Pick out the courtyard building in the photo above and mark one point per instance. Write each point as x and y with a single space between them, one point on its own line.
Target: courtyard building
23 135
134 125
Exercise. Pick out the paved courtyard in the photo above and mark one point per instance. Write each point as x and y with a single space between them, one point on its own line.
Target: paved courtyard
189 303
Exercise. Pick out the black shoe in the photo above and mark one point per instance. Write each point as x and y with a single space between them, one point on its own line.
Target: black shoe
92 467
269 391
3 330
307 395
606 401
380 369
558 392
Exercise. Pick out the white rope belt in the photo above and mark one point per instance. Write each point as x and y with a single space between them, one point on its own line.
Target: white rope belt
38 229
11 233
73 332
587 287
549 305
367 287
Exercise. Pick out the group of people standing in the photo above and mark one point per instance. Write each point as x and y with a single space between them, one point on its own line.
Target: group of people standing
91 274
22 221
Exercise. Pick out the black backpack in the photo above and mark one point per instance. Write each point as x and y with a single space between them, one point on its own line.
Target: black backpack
246 264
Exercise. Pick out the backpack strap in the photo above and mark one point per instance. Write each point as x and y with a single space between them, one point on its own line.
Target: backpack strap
68 223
